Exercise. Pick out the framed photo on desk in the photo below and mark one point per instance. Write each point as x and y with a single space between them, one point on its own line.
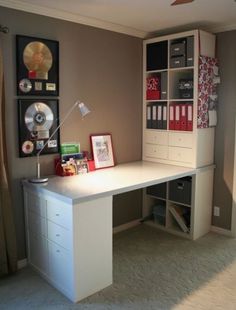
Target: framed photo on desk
102 150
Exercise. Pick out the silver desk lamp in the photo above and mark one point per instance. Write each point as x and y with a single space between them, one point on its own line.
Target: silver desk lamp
84 111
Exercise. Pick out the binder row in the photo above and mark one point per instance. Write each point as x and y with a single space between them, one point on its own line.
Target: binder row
181 116
156 116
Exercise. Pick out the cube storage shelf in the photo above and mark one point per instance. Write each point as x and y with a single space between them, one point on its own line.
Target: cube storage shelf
170 205
170 89
182 207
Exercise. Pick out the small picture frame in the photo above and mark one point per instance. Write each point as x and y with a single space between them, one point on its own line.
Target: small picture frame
82 166
102 150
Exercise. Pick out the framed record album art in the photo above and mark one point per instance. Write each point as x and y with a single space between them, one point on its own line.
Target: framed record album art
37 120
37 66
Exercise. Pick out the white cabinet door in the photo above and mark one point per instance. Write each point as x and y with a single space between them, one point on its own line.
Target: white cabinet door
181 139
156 151
59 213
181 154
59 235
156 137
38 252
60 267
37 204
37 224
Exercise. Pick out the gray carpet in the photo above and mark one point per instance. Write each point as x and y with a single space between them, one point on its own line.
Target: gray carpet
152 270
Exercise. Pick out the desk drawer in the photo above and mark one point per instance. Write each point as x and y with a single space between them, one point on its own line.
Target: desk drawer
37 224
156 137
36 204
180 139
60 266
156 151
59 235
181 154
59 213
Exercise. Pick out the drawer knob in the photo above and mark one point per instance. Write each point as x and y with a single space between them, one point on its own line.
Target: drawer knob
57 214
57 235
58 251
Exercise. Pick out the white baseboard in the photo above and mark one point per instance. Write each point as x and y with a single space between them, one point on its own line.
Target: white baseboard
126 226
22 263
221 231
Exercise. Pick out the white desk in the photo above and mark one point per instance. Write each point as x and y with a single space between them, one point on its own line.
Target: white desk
69 222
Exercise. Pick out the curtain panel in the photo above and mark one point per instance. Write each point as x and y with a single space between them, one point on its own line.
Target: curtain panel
8 251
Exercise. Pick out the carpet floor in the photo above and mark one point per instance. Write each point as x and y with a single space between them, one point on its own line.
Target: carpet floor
151 270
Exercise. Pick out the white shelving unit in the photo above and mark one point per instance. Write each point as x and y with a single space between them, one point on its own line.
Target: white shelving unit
199 207
184 148
193 148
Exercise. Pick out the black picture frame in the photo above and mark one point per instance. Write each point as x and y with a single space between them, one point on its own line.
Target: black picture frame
37 66
37 120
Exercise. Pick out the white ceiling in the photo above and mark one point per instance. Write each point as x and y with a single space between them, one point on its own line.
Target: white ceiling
139 18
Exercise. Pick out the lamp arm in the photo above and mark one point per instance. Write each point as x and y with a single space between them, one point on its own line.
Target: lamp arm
83 110
61 123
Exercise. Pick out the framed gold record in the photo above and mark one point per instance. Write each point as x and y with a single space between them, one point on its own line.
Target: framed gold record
37 66
37 120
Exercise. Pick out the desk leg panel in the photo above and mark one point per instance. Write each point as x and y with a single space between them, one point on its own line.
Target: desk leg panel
92 222
202 201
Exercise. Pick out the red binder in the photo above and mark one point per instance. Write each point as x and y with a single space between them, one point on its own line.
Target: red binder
177 116
189 117
183 117
171 117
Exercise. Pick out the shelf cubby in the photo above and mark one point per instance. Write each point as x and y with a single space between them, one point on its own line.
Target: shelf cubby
179 218
175 79
156 56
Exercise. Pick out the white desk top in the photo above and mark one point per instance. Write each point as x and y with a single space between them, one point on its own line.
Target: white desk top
110 181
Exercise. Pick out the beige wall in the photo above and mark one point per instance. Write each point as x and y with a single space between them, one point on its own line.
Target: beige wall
225 138
100 67
104 69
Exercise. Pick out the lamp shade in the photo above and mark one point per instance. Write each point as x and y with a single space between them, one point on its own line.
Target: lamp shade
83 109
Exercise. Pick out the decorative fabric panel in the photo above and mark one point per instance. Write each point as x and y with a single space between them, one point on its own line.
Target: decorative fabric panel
208 71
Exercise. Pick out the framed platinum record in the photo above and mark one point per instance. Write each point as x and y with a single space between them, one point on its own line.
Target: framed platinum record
37 120
37 66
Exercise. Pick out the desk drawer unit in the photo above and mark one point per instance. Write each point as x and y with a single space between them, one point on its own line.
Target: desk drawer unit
50 239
